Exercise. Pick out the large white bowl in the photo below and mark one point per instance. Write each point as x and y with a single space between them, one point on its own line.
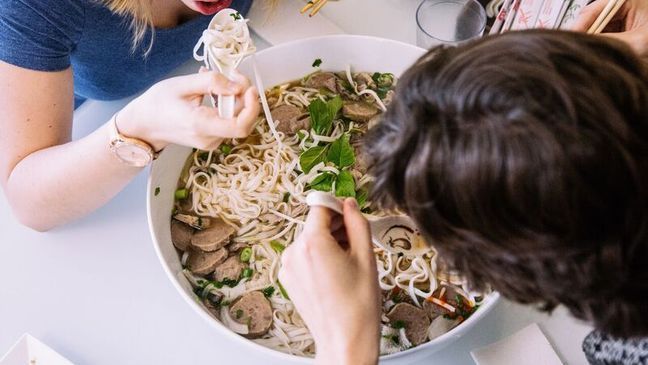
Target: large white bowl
278 64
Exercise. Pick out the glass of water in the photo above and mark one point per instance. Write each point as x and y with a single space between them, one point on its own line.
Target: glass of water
449 22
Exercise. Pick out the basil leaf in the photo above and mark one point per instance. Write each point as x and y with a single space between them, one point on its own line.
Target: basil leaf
320 120
341 153
334 106
323 113
345 185
311 157
362 196
323 182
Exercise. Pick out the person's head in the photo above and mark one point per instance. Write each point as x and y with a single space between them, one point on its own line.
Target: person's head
524 159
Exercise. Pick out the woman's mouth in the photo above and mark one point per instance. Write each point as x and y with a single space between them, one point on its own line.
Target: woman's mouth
212 7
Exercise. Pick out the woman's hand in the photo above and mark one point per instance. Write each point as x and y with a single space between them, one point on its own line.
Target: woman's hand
171 111
330 274
630 24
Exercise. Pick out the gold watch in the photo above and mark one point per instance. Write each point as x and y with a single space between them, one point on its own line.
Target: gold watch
131 151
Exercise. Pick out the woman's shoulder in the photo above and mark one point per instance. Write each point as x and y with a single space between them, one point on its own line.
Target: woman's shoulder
40 34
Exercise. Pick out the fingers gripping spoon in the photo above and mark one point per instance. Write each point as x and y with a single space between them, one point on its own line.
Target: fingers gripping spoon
396 234
225 43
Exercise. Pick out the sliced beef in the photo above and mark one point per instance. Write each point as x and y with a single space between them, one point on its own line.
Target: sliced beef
204 263
434 310
447 294
414 319
290 119
216 236
181 235
254 310
364 81
322 80
230 269
359 111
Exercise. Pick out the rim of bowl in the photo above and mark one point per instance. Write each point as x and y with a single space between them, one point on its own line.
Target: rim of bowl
489 303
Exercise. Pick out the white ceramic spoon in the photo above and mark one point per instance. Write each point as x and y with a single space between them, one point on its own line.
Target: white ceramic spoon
226 103
390 228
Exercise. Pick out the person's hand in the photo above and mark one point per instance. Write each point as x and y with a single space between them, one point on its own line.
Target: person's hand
330 275
171 111
630 24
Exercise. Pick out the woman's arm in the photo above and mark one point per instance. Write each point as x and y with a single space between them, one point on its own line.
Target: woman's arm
50 180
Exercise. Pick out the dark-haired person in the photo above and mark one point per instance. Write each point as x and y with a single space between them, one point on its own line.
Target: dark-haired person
530 148
54 54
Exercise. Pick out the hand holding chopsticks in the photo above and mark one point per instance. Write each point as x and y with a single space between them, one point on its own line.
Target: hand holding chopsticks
604 18
625 20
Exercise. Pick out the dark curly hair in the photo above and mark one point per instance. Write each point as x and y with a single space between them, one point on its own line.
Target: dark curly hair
524 159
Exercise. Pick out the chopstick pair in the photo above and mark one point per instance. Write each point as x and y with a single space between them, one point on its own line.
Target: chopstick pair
314 6
602 21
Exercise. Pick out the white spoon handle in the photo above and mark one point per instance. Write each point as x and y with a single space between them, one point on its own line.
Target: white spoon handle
226 105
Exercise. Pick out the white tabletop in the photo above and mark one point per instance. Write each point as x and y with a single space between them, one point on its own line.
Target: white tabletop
95 291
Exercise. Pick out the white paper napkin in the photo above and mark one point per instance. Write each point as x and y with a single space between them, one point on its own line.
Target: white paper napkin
285 23
30 351
528 346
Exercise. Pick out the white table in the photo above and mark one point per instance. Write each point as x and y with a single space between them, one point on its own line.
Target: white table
95 292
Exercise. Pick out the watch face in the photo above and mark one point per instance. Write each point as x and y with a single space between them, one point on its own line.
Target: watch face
133 155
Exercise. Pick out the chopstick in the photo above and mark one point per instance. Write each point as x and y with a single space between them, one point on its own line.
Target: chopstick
606 16
607 19
314 6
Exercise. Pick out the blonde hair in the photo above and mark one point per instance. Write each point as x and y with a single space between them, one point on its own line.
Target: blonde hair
141 17
141 14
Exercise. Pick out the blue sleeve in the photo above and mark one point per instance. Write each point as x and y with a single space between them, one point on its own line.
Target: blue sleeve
40 34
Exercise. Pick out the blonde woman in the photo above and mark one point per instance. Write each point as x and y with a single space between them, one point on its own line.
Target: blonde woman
54 54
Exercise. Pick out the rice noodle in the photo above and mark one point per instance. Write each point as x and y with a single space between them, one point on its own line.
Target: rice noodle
259 189
224 44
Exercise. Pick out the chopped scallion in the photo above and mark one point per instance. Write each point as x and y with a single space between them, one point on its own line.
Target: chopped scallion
277 246
247 273
226 149
246 254
181 194
282 290
268 291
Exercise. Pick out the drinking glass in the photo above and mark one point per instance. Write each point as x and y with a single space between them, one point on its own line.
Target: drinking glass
449 22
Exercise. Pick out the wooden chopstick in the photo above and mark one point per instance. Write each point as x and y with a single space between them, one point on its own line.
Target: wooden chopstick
309 5
602 16
608 18
318 7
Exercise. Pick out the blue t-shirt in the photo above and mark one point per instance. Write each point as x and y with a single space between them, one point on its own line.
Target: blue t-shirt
52 35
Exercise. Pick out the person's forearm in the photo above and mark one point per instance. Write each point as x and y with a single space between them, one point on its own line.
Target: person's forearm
59 184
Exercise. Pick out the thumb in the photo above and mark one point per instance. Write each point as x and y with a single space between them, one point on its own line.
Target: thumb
588 16
357 229
205 82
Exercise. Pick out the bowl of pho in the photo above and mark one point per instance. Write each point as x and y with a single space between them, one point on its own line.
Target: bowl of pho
221 219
